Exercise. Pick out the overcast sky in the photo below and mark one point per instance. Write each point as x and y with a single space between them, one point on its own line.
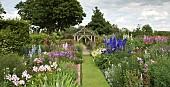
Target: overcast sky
124 13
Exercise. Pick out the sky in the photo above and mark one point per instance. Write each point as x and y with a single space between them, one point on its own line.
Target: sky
124 13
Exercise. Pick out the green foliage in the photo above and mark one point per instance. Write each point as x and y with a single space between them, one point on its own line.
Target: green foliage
13 35
99 24
147 30
1 10
38 38
124 69
11 61
162 33
144 30
55 15
60 79
80 50
160 73
65 77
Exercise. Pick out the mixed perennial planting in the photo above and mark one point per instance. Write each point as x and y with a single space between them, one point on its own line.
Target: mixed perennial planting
135 62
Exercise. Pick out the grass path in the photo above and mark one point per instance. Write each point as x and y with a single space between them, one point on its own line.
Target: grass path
91 74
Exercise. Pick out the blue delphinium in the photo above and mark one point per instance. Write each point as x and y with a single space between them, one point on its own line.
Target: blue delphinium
112 44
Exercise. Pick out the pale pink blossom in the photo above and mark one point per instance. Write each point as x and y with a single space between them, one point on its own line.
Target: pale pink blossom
42 68
48 67
26 75
35 69
39 60
22 82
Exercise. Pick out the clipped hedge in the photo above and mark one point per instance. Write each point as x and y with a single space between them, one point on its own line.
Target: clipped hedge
13 35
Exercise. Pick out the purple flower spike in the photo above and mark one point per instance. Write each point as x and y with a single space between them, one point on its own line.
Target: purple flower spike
71 56
61 54
56 54
51 55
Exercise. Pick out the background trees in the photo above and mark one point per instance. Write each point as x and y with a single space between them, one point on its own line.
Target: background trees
99 24
147 29
1 11
53 14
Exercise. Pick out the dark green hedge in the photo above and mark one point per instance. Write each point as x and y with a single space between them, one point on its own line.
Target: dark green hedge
13 35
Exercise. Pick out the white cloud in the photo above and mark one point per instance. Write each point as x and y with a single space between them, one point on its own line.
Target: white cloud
142 18
121 20
153 15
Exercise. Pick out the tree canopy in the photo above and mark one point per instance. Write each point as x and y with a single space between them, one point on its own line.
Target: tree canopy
99 24
147 29
52 14
1 11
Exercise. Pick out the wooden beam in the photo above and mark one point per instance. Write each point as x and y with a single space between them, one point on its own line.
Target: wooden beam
80 37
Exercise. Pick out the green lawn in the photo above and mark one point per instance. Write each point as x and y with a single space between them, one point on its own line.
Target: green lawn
92 76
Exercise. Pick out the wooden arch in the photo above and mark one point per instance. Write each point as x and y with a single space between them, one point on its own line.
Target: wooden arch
87 34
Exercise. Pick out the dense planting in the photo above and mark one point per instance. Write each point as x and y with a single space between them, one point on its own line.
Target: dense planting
141 62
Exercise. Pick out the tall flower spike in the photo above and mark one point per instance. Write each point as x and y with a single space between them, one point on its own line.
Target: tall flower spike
119 44
39 51
114 42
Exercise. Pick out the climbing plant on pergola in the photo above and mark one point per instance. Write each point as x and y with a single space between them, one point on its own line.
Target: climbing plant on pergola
87 34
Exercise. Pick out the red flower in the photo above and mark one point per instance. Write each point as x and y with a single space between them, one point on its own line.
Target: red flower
31 68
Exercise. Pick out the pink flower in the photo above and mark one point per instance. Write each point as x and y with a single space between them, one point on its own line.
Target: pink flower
39 60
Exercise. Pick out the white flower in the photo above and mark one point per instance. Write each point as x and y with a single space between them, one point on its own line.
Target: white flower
35 69
42 68
22 82
9 77
45 53
26 75
15 78
48 67
16 83
54 65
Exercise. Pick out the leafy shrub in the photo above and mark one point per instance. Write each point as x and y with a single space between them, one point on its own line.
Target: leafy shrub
80 50
11 61
38 38
160 76
13 35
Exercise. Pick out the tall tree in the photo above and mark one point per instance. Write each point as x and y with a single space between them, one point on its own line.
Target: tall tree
99 24
115 28
147 29
1 11
52 14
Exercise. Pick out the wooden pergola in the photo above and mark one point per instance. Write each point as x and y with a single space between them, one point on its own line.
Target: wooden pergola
84 32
